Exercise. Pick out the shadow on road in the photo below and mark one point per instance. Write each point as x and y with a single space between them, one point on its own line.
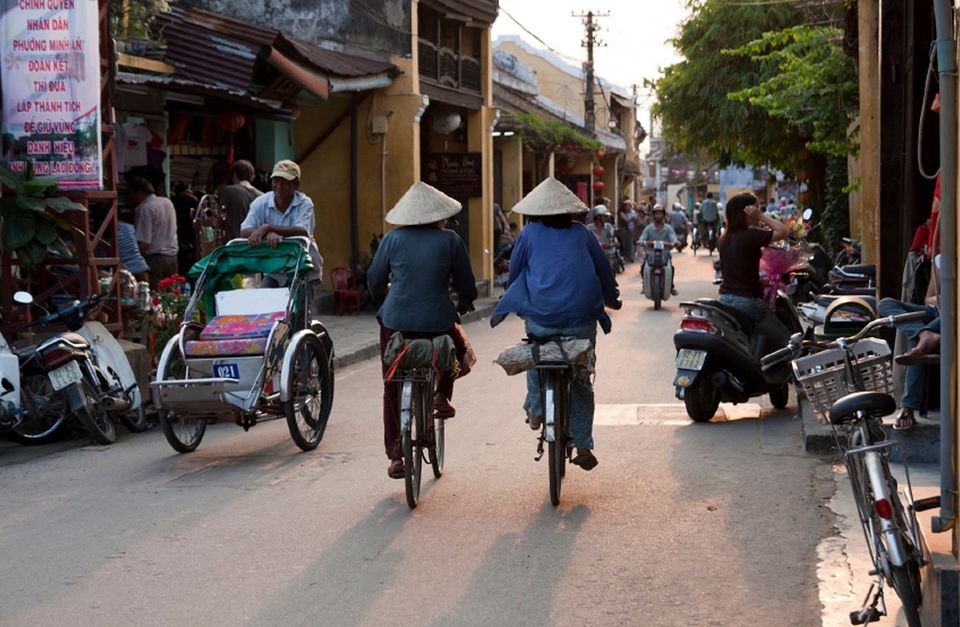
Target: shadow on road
543 550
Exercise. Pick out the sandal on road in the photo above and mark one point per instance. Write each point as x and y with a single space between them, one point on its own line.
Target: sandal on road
905 420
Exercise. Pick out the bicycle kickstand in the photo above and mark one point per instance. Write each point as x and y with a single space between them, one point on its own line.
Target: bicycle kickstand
869 612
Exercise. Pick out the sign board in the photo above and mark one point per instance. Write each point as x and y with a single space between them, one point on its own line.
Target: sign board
457 175
50 53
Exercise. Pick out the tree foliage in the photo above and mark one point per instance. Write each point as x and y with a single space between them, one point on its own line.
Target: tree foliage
693 100
812 85
544 137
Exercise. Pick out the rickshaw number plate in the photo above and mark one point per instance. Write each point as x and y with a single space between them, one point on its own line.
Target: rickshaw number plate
226 371
65 375
690 359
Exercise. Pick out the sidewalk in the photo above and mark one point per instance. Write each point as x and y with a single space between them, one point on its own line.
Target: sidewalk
357 337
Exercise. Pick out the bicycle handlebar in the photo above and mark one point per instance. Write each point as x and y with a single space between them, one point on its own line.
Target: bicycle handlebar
796 344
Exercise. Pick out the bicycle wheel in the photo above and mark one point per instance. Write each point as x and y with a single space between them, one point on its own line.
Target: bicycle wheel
906 583
434 435
182 433
557 445
412 421
310 385
45 411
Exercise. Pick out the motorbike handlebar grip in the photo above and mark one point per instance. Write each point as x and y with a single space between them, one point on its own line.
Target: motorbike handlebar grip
911 316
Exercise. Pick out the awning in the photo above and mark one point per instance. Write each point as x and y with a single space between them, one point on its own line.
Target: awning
186 86
623 101
227 53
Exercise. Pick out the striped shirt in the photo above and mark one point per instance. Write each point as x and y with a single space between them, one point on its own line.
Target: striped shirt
128 250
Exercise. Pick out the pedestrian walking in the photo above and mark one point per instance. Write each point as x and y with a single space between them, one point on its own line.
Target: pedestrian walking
156 228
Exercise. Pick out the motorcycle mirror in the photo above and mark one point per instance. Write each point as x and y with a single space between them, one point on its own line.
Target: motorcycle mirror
24 298
807 214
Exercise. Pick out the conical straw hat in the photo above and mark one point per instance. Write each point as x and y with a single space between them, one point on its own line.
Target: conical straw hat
422 204
549 198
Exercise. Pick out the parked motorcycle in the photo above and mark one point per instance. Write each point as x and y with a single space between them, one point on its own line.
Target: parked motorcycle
82 372
10 410
718 357
657 273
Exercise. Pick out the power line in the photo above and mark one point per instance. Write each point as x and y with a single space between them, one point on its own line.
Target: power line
535 36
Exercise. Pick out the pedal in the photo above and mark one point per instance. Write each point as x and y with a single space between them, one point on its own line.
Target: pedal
922 505
864 616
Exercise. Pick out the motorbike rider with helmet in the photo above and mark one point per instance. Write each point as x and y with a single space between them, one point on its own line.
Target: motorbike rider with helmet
659 230
680 224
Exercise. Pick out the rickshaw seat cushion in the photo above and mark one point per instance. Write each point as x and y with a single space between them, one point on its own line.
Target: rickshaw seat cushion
231 346
240 326
252 301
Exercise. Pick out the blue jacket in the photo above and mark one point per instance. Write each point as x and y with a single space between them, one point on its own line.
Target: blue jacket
420 263
559 278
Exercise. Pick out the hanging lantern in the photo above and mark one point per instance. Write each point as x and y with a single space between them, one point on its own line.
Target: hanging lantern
600 154
598 186
802 174
598 171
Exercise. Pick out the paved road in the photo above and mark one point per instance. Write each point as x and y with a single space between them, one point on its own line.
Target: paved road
692 524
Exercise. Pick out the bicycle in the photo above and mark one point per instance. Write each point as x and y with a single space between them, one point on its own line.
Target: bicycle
421 430
848 382
555 376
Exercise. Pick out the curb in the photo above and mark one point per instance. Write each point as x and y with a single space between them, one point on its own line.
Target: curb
371 349
921 445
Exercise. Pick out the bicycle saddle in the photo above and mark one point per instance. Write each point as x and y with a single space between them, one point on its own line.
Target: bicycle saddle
876 404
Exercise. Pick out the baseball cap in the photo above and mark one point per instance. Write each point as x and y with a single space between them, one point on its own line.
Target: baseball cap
286 169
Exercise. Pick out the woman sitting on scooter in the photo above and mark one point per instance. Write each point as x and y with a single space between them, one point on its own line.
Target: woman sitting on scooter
741 246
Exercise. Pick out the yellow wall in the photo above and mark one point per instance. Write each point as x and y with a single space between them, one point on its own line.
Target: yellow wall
511 171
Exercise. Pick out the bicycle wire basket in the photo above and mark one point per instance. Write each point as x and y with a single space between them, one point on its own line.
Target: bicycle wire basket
824 379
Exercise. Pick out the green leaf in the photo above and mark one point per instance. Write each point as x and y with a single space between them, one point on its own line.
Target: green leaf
18 229
31 204
60 249
46 231
32 254
61 204
40 187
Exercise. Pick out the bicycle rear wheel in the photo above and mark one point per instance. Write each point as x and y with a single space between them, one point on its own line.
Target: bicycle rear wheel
412 423
434 430
557 445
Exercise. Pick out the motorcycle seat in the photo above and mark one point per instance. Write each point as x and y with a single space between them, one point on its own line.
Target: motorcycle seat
745 322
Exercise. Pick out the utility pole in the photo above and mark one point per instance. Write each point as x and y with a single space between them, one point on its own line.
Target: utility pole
591 42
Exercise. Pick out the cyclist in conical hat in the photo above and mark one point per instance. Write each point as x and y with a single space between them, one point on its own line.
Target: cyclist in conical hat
420 261
560 281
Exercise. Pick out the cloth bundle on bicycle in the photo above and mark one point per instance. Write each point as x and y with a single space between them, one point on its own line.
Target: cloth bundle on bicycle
420 353
577 352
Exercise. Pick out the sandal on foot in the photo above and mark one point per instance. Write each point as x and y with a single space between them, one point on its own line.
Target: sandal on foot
395 469
586 460
534 422
905 420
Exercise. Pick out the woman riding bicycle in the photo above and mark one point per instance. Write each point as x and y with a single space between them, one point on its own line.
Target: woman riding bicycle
741 247
559 283
420 261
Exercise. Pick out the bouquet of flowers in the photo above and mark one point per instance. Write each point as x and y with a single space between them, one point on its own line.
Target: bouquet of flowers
774 264
798 227
169 302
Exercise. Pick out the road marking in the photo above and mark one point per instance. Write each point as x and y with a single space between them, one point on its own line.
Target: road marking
670 414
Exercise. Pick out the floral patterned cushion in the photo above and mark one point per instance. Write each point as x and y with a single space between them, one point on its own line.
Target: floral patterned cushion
237 326
214 348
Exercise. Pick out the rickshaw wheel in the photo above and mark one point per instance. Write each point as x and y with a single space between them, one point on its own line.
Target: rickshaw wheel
310 381
183 434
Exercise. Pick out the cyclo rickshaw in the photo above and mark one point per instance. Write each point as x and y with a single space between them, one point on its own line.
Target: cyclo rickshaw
247 354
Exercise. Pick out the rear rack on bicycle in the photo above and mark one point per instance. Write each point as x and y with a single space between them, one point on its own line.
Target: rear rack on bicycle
824 379
424 375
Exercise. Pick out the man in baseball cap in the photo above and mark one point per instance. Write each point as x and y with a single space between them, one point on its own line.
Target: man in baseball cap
283 212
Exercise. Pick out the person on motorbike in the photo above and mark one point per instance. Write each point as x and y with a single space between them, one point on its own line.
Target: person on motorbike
740 248
604 232
680 223
559 283
420 262
709 216
659 231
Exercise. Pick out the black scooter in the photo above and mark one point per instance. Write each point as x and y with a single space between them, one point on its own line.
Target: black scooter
718 357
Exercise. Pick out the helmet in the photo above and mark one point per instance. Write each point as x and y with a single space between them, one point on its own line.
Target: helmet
658 207
677 207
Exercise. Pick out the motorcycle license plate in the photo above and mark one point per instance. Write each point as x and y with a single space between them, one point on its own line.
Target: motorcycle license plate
226 371
65 375
690 359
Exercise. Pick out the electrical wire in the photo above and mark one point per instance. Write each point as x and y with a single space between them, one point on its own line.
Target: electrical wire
535 36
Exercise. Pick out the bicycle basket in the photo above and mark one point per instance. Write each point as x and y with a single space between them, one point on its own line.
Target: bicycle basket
823 377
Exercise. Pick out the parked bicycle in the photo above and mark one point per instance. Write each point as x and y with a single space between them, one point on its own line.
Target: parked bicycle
848 382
